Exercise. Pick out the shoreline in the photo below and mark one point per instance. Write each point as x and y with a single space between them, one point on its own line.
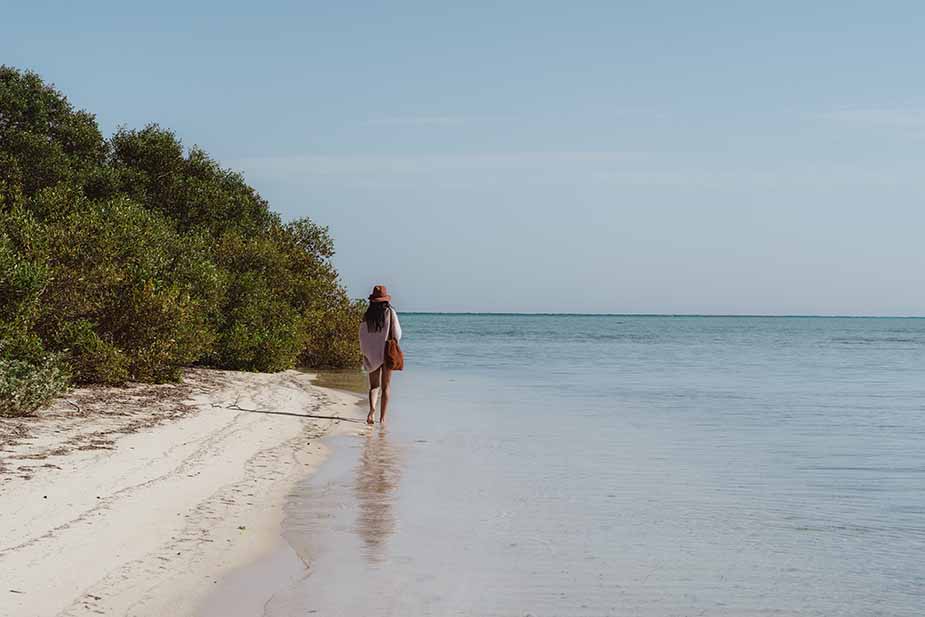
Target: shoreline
245 589
140 501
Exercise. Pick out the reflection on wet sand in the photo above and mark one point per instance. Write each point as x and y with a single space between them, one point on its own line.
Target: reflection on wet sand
377 478
353 380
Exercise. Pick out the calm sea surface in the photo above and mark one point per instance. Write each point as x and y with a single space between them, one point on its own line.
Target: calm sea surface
657 466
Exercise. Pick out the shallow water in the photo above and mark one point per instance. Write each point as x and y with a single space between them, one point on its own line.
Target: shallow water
584 466
351 380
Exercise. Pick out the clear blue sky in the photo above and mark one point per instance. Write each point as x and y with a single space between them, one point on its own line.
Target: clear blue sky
695 157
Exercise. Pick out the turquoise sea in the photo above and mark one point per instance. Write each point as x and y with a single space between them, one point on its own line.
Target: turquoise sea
625 465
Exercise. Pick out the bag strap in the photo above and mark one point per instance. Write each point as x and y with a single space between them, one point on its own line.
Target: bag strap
391 336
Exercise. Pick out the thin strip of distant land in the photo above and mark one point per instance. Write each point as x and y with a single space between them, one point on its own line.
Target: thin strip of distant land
714 315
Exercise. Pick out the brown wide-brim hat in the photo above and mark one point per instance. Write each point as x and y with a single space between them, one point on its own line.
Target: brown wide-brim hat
380 294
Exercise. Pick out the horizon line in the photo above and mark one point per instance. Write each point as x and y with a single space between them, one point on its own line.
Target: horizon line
742 315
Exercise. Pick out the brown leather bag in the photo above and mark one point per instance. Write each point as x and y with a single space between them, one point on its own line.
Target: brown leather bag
394 358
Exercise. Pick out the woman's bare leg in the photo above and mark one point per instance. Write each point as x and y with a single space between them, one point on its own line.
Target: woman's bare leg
386 392
374 379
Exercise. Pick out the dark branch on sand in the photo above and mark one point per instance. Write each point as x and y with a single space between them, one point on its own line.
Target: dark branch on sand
235 407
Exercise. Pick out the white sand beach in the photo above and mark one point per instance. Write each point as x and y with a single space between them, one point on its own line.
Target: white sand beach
136 501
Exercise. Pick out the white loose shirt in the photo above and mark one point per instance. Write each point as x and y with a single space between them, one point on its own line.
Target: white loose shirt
372 344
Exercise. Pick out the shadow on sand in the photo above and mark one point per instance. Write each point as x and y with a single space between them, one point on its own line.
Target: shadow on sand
235 407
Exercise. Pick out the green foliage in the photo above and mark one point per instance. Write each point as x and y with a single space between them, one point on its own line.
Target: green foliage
22 281
260 328
44 140
262 332
286 274
130 258
331 334
192 190
92 359
25 386
145 288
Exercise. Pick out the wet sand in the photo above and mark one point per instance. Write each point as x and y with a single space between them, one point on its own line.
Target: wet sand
380 529
329 546
337 557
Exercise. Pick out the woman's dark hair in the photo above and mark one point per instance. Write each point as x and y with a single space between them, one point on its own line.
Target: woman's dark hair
375 316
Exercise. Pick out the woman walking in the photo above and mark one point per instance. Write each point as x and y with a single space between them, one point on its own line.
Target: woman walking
380 326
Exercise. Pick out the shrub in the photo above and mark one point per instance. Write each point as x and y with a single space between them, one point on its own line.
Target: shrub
192 190
260 330
147 291
22 281
44 140
25 387
285 304
92 359
331 336
330 317
133 257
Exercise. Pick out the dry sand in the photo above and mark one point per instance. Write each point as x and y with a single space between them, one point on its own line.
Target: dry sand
136 501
